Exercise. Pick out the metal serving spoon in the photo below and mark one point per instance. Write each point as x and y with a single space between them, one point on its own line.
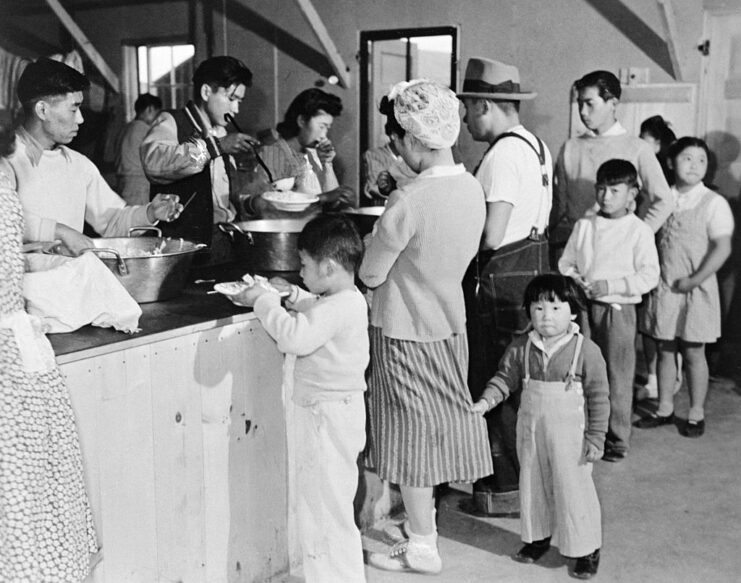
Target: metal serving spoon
230 119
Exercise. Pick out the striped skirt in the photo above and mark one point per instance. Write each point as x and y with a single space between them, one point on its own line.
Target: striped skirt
422 430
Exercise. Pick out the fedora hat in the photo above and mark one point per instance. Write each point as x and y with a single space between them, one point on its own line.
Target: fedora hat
489 79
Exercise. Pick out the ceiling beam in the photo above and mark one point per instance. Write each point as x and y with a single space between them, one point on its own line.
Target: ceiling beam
85 44
338 65
672 36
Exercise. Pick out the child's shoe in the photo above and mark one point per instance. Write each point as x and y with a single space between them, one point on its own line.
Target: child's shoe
531 552
586 567
418 554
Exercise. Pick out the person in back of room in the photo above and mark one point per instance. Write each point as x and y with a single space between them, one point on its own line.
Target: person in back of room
328 333
657 132
383 171
133 185
189 152
683 312
60 189
598 96
612 255
561 424
516 174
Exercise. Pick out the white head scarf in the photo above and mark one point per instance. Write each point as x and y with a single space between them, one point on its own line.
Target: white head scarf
428 111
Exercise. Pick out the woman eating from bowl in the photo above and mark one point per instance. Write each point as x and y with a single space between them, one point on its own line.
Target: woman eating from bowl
422 428
304 152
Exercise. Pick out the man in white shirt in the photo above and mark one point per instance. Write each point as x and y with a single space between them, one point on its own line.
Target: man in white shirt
59 188
516 173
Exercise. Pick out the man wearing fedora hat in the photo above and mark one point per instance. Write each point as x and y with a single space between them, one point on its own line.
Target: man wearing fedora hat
516 174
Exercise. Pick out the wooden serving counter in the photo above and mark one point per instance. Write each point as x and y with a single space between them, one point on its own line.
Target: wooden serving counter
184 440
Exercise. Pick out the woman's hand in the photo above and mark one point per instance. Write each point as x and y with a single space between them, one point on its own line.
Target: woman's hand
597 289
684 285
481 407
340 197
385 183
592 453
325 151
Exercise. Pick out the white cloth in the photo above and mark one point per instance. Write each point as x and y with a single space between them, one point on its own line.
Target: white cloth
511 172
329 438
329 335
621 251
68 293
719 215
165 160
63 186
35 350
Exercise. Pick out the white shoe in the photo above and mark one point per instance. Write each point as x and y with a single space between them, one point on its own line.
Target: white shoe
409 556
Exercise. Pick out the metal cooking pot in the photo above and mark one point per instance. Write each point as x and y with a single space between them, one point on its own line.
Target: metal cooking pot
266 244
151 269
364 217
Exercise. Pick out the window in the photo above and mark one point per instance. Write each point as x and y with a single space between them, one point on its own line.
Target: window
164 70
390 56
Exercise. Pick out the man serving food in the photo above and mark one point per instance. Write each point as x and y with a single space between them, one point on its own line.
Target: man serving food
60 188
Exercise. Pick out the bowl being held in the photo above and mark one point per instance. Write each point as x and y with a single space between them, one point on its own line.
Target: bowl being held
290 200
283 184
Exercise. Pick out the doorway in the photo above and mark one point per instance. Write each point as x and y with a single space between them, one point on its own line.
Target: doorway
390 56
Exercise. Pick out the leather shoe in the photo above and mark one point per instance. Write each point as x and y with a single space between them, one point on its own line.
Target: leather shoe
693 428
531 552
654 420
586 567
612 455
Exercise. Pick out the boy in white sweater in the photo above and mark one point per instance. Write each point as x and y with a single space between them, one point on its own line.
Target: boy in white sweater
613 256
328 333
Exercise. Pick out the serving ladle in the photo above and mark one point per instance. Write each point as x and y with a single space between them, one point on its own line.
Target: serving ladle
230 119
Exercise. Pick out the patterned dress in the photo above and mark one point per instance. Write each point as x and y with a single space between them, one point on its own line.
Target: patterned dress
46 527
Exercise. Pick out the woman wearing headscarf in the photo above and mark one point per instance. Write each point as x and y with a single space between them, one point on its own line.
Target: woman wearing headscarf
422 430
46 527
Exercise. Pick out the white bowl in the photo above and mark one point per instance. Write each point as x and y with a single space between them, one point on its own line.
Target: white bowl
285 183
289 201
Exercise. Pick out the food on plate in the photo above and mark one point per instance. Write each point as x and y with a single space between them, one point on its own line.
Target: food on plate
231 288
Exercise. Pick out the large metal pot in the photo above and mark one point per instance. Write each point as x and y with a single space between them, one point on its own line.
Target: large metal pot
151 269
266 244
364 217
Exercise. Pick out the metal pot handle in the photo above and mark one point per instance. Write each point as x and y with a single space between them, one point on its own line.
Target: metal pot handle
120 263
231 228
157 230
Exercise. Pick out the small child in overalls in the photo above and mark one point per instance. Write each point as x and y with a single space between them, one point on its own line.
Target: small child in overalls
561 424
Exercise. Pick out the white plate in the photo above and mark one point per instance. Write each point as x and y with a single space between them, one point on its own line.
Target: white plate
231 288
290 200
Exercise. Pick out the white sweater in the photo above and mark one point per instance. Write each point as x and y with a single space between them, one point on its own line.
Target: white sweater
621 251
329 336
66 187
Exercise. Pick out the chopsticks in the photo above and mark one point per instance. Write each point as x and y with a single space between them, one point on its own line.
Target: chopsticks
230 119
192 196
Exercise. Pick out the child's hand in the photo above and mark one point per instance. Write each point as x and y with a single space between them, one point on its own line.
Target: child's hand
248 297
282 285
481 407
684 285
597 289
592 453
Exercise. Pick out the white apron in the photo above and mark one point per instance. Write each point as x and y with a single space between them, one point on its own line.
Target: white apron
557 494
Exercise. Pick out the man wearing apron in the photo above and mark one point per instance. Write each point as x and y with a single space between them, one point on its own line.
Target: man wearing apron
516 173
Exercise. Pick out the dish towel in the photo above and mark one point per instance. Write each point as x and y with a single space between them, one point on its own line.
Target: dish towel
67 293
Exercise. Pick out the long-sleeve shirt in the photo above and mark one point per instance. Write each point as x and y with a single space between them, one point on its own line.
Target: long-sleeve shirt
329 336
553 366
576 174
621 251
166 160
63 186
418 252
